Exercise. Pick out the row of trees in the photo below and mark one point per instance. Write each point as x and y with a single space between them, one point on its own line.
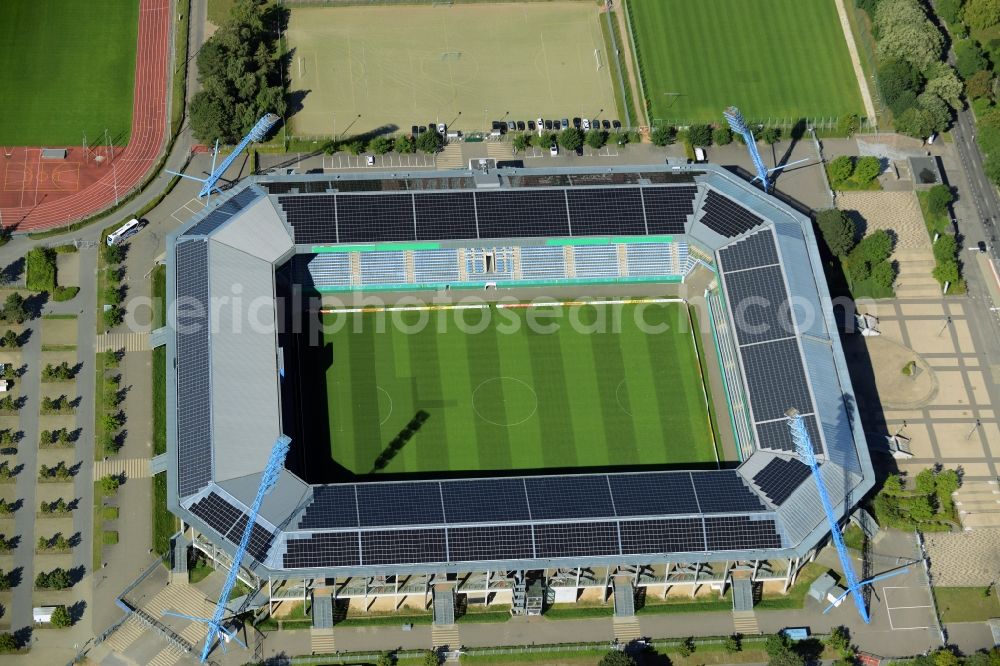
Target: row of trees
853 172
863 261
63 372
241 73
112 396
57 579
918 87
703 135
112 295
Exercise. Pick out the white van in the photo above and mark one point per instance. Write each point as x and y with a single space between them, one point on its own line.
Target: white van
699 155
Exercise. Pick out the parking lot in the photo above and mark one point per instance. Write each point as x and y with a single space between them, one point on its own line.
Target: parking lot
909 607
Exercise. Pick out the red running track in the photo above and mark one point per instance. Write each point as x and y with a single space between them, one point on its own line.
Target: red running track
133 163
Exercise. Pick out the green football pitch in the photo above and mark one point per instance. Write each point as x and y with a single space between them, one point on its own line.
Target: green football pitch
778 59
501 393
66 68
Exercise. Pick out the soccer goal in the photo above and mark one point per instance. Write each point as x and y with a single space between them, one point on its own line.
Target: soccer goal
597 59
451 55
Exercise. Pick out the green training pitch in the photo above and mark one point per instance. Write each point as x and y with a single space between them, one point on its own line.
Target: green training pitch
778 59
66 68
500 394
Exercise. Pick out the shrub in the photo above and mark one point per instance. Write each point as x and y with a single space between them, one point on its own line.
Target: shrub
380 145
9 340
867 169
969 58
112 254
771 135
40 269
848 125
571 138
521 142
883 274
700 135
838 231
14 309
405 145
876 246
7 642
61 294
61 617
723 136
429 142
596 138
687 647
113 316
663 135
938 199
57 579
109 484
841 168
734 643
946 271
616 658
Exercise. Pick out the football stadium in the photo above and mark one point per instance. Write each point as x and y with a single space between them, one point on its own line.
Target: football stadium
504 387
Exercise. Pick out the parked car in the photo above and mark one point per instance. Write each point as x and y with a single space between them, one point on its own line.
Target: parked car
616 124
586 125
442 129
554 149
540 123
565 123
511 125
370 160
606 124
579 151
576 123
413 129
520 125
421 129
548 124
531 125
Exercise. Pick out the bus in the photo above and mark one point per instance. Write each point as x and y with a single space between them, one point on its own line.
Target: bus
128 229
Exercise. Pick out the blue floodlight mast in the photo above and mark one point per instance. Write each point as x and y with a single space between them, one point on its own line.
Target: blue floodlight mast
739 125
258 132
803 446
267 481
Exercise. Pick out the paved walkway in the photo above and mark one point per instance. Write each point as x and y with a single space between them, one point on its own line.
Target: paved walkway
131 468
852 48
127 340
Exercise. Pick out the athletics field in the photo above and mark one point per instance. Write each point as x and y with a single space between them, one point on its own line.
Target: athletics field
545 387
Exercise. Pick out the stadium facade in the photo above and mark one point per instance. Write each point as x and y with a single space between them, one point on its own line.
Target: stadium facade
510 539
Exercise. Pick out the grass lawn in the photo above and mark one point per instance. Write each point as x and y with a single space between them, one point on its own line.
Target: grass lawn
936 224
511 395
66 68
796 593
164 522
160 364
779 59
966 604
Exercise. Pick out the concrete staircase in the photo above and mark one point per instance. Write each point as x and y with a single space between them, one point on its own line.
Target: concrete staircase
127 633
978 504
450 157
627 629
914 279
321 641
446 636
745 623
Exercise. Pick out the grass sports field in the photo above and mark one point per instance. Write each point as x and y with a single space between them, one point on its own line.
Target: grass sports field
771 58
500 395
412 64
66 68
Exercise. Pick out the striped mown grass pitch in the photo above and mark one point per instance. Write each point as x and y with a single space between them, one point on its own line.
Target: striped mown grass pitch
545 387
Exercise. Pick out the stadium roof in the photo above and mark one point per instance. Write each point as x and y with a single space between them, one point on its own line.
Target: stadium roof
224 367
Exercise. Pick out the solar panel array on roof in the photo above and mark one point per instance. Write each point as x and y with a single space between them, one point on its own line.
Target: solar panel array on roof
780 477
724 491
194 418
511 213
260 538
775 436
217 513
750 252
653 494
726 217
667 208
414 503
760 304
485 500
579 539
332 506
776 379
221 215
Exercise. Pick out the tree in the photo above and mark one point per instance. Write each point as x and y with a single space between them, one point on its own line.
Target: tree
571 138
840 640
700 135
969 58
979 85
849 124
771 135
687 647
7 642
992 168
380 145
899 82
61 617
14 309
9 340
733 643
431 658
110 358
596 138
867 169
521 142
946 271
838 230
429 142
883 274
937 109
663 135
722 136
385 659
112 254
787 657
876 246
938 199
6 508
405 145
355 146
616 658
980 15
949 10
113 316
948 481
775 644
840 168
905 33
944 83
109 484
917 123
921 508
